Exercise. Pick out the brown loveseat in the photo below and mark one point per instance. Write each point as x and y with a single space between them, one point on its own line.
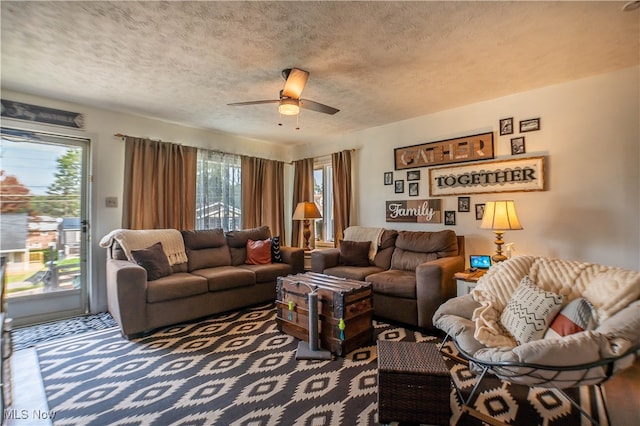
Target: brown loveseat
411 273
214 278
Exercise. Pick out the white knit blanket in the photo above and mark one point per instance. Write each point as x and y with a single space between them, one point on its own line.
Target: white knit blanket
363 233
609 289
137 239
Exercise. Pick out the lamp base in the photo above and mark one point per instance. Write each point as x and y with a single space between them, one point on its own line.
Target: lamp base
305 352
499 257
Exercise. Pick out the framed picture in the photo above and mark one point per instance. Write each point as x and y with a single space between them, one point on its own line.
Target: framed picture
413 189
506 126
530 125
517 145
449 217
399 186
464 204
388 178
413 175
479 211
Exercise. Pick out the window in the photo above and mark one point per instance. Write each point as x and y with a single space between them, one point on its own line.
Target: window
218 191
323 196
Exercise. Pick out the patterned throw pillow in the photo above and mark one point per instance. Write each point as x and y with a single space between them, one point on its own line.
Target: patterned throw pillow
276 255
530 311
153 260
577 316
258 252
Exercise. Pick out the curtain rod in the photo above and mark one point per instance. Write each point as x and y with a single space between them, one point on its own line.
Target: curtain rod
120 135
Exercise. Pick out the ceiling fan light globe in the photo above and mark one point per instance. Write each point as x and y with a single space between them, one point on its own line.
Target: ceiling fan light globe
289 107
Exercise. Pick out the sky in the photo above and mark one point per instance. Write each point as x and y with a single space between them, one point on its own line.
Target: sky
34 164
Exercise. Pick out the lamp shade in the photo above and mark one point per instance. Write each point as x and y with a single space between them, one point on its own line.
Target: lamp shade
500 215
306 210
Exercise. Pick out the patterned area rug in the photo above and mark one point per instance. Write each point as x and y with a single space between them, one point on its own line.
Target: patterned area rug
30 336
237 369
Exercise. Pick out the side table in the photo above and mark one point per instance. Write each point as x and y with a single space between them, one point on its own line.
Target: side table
467 280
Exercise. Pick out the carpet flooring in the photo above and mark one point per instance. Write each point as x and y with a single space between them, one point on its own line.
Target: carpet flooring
238 369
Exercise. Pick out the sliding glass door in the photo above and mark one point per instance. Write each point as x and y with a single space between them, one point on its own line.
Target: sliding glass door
43 224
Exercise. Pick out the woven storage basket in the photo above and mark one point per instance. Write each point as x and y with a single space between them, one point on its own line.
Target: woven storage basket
413 383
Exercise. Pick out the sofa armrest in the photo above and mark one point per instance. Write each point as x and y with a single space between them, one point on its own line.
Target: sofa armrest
324 259
127 295
293 256
435 283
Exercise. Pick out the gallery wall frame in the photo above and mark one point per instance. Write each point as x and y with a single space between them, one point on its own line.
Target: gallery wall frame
450 151
464 204
388 178
413 189
479 211
449 217
399 186
413 175
517 145
415 211
524 174
506 126
530 125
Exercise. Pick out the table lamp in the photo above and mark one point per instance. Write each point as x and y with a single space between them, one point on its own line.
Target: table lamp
306 211
500 216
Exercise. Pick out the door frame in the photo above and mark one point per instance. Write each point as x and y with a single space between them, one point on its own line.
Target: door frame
21 310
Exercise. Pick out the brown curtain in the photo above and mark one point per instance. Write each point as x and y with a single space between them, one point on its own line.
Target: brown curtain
159 185
342 193
302 191
263 194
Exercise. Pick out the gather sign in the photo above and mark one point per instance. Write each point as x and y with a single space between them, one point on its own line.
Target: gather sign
417 211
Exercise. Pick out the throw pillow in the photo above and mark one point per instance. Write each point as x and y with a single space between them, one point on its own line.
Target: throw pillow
258 252
276 255
153 260
577 316
530 311
354 253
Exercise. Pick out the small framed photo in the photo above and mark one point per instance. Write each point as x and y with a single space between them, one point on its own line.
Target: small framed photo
506 126
388 178
479 211
399 186
464 204
413 189
449 217
413 175
517 145
530 125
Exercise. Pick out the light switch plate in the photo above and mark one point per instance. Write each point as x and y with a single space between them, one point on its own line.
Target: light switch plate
111 202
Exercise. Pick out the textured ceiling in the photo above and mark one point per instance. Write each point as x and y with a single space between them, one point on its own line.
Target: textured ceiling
378 62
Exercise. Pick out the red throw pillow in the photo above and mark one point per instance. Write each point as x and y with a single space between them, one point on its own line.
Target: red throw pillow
258 252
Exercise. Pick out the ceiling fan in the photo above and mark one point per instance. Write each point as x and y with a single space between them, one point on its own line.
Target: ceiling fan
290 101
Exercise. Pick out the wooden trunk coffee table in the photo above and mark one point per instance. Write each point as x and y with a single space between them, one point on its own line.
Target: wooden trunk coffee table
345 311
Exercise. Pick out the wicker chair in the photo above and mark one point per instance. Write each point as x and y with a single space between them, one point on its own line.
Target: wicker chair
586 358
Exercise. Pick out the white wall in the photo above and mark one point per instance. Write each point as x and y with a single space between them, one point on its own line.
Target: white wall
107 163
590 133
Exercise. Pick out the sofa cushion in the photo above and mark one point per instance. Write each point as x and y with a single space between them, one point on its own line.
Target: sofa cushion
175 286
237 242
276 254
530 311
357 273
354 253
206 249
385 250
442 243
258 252
268 273
577 316
396 283
226 277
409 260
154 261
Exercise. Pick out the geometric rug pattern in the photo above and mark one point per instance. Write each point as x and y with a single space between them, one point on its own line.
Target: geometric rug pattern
238 369
26 337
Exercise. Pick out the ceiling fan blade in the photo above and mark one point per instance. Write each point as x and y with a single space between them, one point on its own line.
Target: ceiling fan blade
316 106
295 83
270 101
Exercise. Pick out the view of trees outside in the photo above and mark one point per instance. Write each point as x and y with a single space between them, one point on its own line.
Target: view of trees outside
218 191
40 196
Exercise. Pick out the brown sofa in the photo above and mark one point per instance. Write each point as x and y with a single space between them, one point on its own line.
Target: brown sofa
215 279
411 273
